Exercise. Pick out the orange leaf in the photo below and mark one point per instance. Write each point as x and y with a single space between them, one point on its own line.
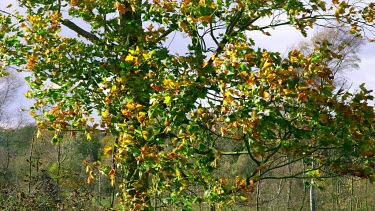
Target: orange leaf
223 131
240 182
111 175
156 88
120 7
302 97
90 178
183 26
265 95
324 118
205 19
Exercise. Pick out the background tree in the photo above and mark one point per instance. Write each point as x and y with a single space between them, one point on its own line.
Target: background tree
346 46
46 176
10 121
170 113
342 43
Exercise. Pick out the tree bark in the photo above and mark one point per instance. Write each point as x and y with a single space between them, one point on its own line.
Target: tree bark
312 191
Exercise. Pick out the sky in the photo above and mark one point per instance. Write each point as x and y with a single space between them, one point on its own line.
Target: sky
282 39
285 37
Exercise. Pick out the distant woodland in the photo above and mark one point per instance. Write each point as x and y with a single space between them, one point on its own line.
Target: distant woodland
37 175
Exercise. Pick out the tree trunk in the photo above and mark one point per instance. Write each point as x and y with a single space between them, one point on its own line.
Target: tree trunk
58 171
289 192
312 191
30 164
132 33
312 196
258 195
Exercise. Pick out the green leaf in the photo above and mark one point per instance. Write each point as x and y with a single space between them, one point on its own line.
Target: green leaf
55 140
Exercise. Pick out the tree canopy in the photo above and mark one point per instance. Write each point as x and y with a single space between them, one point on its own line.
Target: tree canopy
173 113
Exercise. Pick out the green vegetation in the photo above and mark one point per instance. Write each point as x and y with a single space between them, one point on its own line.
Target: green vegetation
221 124
35 178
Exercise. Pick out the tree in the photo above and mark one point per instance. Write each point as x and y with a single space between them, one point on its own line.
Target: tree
10 121
171 113
342 43
9 90
347 47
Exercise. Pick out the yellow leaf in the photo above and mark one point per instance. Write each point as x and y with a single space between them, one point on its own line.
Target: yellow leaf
139 107
183 26
178 173
107 150
287 91
39 134
148 55
168 101
121 124
144 134
131 106
125 139
88 136
127 142
133 52
205 19
266 65
130 58
105 113
90 178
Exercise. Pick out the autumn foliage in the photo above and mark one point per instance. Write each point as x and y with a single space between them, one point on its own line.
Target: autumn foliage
171 113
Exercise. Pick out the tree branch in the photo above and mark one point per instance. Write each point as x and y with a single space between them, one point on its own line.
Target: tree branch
234 153
228 33
247 144
79 30
166 33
